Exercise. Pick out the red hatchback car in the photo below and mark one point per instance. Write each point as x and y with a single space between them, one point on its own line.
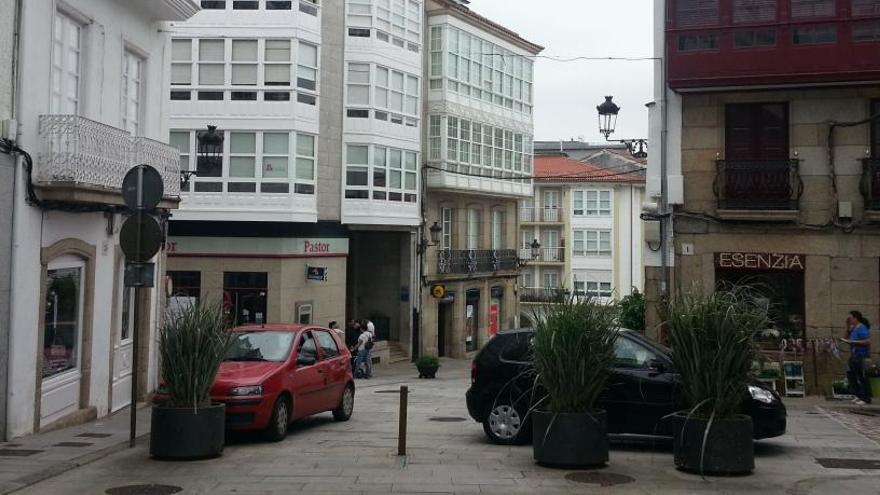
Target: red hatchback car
274 374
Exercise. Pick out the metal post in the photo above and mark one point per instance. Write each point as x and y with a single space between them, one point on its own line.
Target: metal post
401 434
134 367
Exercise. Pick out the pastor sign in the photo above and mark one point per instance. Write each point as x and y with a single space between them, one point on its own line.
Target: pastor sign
774 262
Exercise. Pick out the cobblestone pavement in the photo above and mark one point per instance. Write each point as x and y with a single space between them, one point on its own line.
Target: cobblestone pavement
359 456
865 421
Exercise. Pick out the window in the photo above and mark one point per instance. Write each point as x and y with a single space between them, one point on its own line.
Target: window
398 22
551 280
66 65
260 156
276 66
801 9
814 35
62 318
244 296
358 84
278 4
596 289
359 32
591 203
381 173
592 243
473 229
860 8
245 4
756 131
213 4
132 78
186 284
304 316
211 62
447 224
754 37
479 149
866 31
308 7
307 349
697 42
396 91
307 69
745 11
630 354
327 343
696 13
498 229
435 137
244 62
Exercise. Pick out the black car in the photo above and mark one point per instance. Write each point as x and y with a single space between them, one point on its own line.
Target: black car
641 391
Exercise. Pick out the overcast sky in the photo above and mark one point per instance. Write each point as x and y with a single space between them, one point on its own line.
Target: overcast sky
566 94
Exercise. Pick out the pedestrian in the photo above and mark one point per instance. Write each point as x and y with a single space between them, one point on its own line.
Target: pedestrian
351 334
335 327
363 354
859 340
368 326
371 328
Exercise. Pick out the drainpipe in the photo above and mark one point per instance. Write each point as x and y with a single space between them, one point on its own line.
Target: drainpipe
664 186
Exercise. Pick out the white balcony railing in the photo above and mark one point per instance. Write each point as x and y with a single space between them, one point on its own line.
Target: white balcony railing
539 214
84 153
545 254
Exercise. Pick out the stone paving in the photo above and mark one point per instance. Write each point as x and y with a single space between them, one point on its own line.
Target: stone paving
322 456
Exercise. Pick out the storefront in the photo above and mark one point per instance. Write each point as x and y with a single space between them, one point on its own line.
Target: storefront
262 280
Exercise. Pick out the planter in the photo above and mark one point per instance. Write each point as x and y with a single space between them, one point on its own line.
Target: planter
428 371
569 440
875 387
729 446
187 433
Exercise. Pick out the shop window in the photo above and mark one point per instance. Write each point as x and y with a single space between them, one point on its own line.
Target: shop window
186 284
62 319
244 296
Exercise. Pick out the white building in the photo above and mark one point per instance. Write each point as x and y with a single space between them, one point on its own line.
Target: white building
89 104
585 216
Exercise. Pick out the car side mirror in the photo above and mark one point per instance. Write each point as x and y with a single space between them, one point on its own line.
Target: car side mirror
305 360
657 366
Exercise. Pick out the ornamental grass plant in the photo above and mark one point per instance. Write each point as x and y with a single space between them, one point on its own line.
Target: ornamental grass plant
712 337
573 353
193 343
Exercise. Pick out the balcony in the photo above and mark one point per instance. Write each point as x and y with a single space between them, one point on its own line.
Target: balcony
474 261
455 182
547 214
870 187
542 295
84 161
729 43
758 189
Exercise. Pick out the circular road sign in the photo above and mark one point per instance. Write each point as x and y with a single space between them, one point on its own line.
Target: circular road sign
142 188
150 238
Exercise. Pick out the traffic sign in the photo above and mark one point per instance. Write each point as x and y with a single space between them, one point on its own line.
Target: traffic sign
142 188
140 275
140 238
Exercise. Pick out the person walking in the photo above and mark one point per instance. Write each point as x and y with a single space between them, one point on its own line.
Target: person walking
363 354
335 327
859 340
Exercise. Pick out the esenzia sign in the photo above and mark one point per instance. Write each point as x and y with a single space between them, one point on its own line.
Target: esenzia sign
760 261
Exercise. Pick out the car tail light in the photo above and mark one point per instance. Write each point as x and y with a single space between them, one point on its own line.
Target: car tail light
474 372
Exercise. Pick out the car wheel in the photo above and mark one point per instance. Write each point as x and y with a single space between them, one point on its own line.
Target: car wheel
346 405
280 421
507 424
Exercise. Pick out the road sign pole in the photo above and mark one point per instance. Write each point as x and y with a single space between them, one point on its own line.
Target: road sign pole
135 373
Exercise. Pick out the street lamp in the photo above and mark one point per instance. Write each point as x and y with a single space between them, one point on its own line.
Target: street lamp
608 111
435 231
209 160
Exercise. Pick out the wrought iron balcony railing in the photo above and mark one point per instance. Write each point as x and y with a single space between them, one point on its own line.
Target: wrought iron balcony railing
542 294
467 261
758 184
870 185
80 152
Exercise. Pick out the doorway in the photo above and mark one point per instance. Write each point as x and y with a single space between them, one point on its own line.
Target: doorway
120 393
472 319
444 318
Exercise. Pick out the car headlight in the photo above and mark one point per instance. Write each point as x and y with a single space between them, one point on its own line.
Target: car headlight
761 395
251 390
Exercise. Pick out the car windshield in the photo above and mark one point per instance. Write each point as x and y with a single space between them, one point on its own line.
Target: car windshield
260 346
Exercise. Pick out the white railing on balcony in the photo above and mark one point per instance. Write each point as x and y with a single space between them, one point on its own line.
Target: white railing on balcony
539 214
76 150
547 255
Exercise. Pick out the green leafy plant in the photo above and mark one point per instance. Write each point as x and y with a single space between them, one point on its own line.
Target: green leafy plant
632 311
193 343
712 338
427 362
573 353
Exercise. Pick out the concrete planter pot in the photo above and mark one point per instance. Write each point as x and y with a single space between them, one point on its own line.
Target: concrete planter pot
570 440
187 433
729 446
428 371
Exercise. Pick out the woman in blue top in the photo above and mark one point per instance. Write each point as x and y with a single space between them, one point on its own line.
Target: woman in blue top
859 340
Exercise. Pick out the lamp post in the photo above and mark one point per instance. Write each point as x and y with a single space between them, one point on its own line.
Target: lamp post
435 230
608 111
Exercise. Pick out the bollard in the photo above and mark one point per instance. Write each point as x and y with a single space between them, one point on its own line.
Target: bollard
401 434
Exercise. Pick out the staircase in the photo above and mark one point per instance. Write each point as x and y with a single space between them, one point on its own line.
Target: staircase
398 353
